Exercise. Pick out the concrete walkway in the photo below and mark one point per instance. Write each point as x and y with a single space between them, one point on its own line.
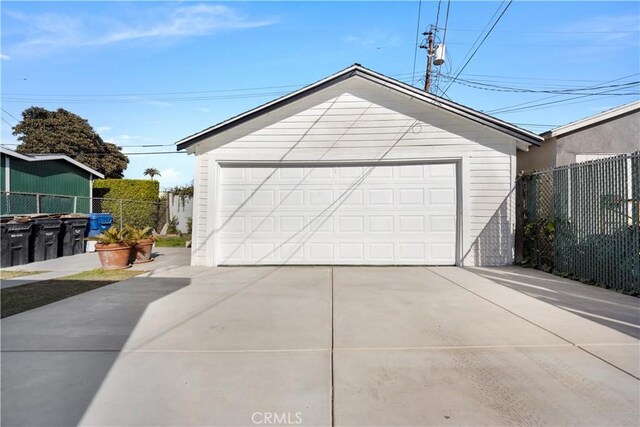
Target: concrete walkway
163 258
322 346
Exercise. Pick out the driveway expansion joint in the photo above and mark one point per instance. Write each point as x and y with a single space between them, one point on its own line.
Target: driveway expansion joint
531 322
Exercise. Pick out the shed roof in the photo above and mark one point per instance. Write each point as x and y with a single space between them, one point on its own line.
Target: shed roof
594 120
357 70
44 157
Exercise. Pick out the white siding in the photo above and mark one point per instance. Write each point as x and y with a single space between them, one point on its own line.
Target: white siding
355 121
201 202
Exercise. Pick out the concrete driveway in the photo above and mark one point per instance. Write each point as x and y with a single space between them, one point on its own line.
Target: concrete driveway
322 346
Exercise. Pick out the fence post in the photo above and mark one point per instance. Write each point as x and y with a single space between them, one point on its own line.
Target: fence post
120 213
75 204
38 203
519 234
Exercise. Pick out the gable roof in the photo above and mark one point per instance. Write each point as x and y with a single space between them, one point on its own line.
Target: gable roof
44 157
590 121
384 81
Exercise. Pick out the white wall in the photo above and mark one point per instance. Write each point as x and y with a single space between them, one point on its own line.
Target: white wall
182 209
357 121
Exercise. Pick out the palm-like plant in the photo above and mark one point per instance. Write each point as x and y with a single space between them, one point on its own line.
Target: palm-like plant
113 236
151 172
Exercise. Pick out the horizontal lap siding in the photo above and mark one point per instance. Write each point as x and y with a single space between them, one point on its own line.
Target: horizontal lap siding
348 128
492 211
201 206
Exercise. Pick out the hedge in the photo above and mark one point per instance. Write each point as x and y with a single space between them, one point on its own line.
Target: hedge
139 200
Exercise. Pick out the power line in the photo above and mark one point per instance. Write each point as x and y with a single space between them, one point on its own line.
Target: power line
559 101
479 45
415 52
564 103
438 14
480 34
3 119
446 22
125 146
551 32
10 115
499 110
114 154
498 88
63 97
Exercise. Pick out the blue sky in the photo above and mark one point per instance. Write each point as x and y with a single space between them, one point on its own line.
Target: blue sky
147 73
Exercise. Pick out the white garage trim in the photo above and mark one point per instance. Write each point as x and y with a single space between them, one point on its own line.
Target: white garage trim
242 240
358 121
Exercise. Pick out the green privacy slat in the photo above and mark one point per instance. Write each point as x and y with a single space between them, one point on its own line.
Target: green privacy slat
583 220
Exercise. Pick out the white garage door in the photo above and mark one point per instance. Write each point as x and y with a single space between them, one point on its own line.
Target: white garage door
377 215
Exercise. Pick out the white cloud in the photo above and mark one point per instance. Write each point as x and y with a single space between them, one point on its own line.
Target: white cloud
121 140
198 20
606 28
101 129
49 30
126 137
170 178
4 57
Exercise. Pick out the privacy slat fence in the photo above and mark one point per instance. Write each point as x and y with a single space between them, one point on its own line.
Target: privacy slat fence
583 221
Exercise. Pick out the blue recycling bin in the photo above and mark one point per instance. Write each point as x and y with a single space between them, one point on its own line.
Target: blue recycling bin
99 222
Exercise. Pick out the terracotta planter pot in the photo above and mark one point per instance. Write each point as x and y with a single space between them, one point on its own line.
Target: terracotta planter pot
142 251
113 257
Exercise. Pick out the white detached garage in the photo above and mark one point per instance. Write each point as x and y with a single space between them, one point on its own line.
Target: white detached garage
356 169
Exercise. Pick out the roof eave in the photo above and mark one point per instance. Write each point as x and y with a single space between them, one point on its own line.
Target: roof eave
591 121
357 69
43 157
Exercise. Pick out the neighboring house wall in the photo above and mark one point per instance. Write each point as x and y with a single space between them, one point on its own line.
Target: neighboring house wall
537 158
56 177
351 122
3 185
49 177
618 135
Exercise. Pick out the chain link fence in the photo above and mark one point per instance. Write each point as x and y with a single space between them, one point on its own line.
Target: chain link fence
138 213
583 221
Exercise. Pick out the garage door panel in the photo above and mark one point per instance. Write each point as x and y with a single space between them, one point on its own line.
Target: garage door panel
401 214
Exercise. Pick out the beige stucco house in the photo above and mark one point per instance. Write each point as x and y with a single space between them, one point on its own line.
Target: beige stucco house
612 132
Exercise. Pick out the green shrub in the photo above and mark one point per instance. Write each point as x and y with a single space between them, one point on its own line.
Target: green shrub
136 199
173 226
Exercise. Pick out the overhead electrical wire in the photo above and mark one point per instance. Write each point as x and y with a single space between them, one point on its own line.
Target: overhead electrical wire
438 14
116 154
559 101
446 22
553 96
498 88
415 53
551 32
461 69
10 115
30 97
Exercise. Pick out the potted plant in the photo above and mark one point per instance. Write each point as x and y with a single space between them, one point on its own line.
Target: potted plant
142 244
113 247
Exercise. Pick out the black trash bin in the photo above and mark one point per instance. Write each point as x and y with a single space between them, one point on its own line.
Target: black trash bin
44 239
14 237
71 239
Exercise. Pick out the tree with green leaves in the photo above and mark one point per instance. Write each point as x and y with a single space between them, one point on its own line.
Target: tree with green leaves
61 132
151 172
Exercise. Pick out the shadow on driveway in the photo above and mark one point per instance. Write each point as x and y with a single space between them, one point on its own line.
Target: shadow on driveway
55 358
608 308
